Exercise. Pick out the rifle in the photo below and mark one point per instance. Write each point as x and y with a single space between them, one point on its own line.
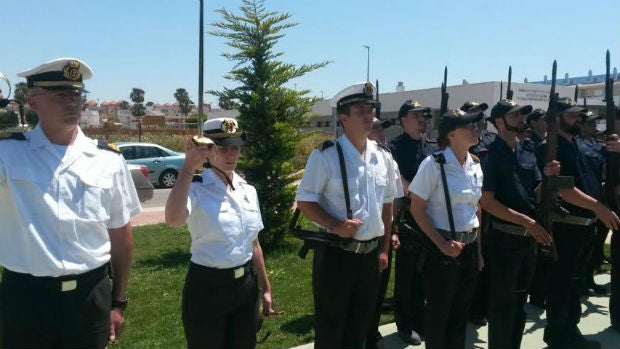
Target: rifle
501 89
550 185
508 89
444 94
311 238
577 95
611 182
378 106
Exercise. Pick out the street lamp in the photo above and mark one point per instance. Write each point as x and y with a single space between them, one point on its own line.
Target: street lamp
367 63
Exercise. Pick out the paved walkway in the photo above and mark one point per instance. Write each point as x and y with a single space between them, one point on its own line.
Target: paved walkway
594 325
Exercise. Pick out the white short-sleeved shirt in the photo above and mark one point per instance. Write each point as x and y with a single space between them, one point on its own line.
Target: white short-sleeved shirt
56 207
465 186
223 223
370 180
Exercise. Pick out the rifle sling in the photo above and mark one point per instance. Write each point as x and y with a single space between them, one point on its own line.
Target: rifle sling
308 244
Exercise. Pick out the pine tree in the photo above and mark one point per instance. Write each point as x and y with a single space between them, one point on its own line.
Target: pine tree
271 113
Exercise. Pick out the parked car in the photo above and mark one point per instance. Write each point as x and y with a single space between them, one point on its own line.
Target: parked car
142 181
163 163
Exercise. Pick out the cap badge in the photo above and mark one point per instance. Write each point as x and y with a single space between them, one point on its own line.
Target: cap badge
368 89
71 71
457 112
228 126
415 103
509 101
569 101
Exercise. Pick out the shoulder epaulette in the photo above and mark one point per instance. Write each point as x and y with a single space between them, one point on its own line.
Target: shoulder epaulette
439 157
475 158
102 144
197 178
16 136
325 145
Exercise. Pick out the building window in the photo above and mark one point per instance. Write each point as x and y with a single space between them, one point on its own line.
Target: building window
327 123
319 124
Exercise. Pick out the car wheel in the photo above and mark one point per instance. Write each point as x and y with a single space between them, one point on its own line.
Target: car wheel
168 178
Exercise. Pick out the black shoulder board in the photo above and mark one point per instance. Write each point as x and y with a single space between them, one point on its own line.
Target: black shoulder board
103 144
325 145
439 157
384 147
197 178
475 158
17 136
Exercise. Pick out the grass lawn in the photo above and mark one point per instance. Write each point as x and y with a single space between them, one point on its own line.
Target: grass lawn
161 257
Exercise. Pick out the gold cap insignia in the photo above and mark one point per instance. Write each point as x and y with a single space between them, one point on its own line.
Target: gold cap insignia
509 102
457 112
71 71
368 89
415 103
228 126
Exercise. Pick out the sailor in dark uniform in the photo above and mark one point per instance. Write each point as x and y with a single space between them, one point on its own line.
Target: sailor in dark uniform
595 154
572 233
510 177
536 120
409 149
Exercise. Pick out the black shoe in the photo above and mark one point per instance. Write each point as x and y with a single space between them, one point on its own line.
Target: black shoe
597 290
478 321
584 343
540 303
410 337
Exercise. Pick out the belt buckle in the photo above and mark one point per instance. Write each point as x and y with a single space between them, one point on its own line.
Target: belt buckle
68 285
239 272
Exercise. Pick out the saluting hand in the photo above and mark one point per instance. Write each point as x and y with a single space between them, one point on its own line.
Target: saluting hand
347 228
539 233
197 155
452 248
552 168
613 143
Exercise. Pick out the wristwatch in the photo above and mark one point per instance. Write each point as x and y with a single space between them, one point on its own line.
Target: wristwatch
120 303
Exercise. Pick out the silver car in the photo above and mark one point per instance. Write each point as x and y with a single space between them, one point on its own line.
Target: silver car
140 176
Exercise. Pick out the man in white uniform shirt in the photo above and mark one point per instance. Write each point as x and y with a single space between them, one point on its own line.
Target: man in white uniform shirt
65 204
346 275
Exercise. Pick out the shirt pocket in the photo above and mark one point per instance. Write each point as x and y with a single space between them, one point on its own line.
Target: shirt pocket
93 194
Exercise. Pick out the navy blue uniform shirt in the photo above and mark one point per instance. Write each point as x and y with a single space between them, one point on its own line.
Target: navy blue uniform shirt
595 159
485 139
409 153
512 176
574 163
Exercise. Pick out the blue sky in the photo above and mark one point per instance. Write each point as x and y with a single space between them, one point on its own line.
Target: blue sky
153 44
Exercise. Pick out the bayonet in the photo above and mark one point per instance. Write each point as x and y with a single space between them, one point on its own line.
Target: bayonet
549 207
508 88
